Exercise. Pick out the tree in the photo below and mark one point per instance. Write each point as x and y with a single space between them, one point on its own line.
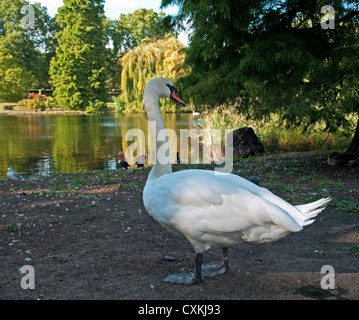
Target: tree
78 69
130 30
275 56
22 51
14 79
162 58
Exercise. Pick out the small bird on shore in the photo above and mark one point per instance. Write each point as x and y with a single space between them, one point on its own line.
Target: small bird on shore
140 161
254 180
13 175
122 161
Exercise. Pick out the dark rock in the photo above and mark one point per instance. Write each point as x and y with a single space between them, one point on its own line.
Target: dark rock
343 159
246 143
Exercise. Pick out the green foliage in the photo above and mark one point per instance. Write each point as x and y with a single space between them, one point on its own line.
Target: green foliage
130 30
23 53
14 78
163 58
119 104
273 132
274 57
11 228
348 206
35 101
95 107
354 249
78 69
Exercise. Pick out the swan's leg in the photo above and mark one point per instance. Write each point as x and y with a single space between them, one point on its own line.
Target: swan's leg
212 270
188 278
207 270
225 260
197 277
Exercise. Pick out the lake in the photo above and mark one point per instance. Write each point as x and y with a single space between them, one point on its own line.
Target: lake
46 143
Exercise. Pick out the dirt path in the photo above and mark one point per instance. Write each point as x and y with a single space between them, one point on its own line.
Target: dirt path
88 236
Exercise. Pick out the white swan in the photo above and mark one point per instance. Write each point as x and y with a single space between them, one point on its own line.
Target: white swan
211 208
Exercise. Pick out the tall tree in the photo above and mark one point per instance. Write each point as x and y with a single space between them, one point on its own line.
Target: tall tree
275 56
130 30
78 69
23 50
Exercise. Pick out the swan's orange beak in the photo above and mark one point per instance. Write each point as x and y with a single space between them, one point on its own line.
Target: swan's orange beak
175 97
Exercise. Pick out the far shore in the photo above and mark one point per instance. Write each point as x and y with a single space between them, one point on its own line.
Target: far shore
49 111
16 110
22 111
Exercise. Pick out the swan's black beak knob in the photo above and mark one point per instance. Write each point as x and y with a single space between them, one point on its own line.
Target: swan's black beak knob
174 96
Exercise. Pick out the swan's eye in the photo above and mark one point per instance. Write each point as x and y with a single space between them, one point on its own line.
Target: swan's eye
172 88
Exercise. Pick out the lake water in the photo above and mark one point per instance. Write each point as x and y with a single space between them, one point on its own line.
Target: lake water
43 144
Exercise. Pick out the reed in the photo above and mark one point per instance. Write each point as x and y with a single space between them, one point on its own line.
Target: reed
274 133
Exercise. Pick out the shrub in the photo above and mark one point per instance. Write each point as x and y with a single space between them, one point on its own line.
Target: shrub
34 101
119 104
95 107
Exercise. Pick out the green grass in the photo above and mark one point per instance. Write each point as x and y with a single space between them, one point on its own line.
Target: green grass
354 249
11 228
274 134
348 206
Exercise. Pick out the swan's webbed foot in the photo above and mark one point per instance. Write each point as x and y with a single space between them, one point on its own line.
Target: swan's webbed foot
212 270
188 278
183 278
200 269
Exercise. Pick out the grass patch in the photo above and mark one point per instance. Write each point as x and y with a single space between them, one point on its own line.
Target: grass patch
348 206
275 134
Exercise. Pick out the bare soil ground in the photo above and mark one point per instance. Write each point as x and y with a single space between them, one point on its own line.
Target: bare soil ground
88 236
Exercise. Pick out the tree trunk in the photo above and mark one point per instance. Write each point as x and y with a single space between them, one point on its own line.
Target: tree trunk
354 145
349 157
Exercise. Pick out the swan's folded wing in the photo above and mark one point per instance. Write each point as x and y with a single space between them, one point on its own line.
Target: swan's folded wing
227 207
199 190
265 194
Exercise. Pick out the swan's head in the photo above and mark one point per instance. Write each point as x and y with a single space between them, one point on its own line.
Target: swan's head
9 169
163 88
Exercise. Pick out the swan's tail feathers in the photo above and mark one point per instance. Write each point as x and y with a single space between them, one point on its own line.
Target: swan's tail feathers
311 210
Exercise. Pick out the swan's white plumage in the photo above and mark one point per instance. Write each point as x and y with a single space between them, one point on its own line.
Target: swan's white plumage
211 208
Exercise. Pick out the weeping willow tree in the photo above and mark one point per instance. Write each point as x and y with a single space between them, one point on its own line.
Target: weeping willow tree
163 58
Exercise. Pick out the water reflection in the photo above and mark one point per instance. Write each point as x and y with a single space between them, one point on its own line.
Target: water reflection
43 144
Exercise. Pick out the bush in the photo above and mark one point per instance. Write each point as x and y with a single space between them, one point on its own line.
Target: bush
95 107
119 104
35 101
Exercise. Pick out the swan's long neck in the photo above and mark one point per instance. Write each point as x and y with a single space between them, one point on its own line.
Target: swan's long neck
154 116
